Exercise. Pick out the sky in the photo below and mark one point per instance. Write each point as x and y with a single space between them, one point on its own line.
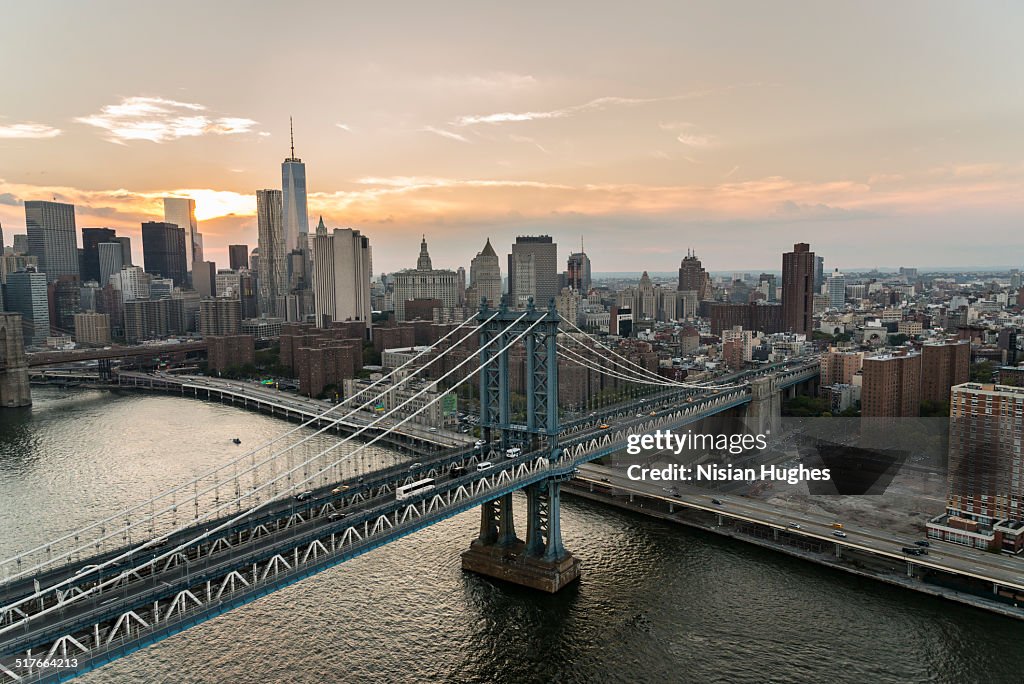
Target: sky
883 134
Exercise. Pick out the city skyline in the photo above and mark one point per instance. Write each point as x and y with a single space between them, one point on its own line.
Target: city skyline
559 135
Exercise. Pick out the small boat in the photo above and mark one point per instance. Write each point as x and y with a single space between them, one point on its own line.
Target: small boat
236 440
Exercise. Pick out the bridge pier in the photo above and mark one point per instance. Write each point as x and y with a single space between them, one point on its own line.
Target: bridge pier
541 562
764 412
14 388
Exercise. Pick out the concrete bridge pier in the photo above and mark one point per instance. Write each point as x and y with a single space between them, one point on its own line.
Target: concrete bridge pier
14 387
764 412
541 562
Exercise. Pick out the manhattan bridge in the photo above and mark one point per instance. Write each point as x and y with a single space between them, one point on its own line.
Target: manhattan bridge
287 510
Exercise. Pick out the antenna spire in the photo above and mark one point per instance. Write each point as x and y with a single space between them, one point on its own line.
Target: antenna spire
291 128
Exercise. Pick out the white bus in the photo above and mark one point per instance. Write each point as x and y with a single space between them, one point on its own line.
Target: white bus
483 466
514 452
414 488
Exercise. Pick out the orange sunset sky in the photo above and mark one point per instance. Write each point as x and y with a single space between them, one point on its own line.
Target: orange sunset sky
882 133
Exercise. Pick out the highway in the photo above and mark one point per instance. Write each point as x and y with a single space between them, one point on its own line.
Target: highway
1007 571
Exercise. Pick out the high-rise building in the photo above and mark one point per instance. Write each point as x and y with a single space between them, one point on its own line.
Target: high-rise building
110 257
577 272
181 211
341 276
693 277
819 274
891 386
91 240
766 286
273 269
220 316
533 271
204 278
126 250
798 288
92 328
164 250
985 457
52 238
150 320
238 257
836 288
838 367
485 277
64 297
132 282
943 365
26 293
21 243
424 282
296 217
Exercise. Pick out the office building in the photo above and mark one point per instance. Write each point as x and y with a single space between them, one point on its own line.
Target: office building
577 272
891 386
204 278
110 260
228 283
21 243
798 289
52 237
64 297
484 278
836 290
533 271
92 329
295 214
26 293
164 251
693 277
341 276
943 365
424 282
91 240
132 282
126 250
819 274
273 269
181 211
238 257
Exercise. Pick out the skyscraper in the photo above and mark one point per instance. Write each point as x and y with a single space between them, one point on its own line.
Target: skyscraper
836 289
111 260
533 270
91 239
52 237
26 294
693 277
273 273
341 276
163 250
798 288
578 271
425 283
293 185
891 386
181 211
485 277
819 274
943 365
126 250
238 256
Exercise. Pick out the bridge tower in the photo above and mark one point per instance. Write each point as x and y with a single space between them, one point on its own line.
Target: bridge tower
14 387
541 562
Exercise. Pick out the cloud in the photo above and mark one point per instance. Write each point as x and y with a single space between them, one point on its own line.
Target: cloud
693 140
598 104
9 199
501 81
344 127
529 141
28 130
445 134
161 120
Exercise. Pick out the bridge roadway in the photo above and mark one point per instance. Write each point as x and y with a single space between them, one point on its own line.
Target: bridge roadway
114 352
1006 571
289 527
302 407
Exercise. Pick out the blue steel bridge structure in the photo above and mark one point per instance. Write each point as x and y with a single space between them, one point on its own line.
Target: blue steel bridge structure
309 500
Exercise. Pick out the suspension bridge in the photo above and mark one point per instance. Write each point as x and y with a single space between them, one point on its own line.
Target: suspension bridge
291 508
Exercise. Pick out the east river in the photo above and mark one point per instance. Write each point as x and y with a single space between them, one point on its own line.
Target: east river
657 602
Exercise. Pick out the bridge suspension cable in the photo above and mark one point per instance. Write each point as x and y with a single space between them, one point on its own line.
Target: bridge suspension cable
126 556
195 483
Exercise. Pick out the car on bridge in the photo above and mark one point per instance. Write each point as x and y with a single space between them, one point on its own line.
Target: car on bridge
839 533
604 426
339 489
302 496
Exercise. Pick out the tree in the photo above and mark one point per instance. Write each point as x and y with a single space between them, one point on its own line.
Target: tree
982 372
